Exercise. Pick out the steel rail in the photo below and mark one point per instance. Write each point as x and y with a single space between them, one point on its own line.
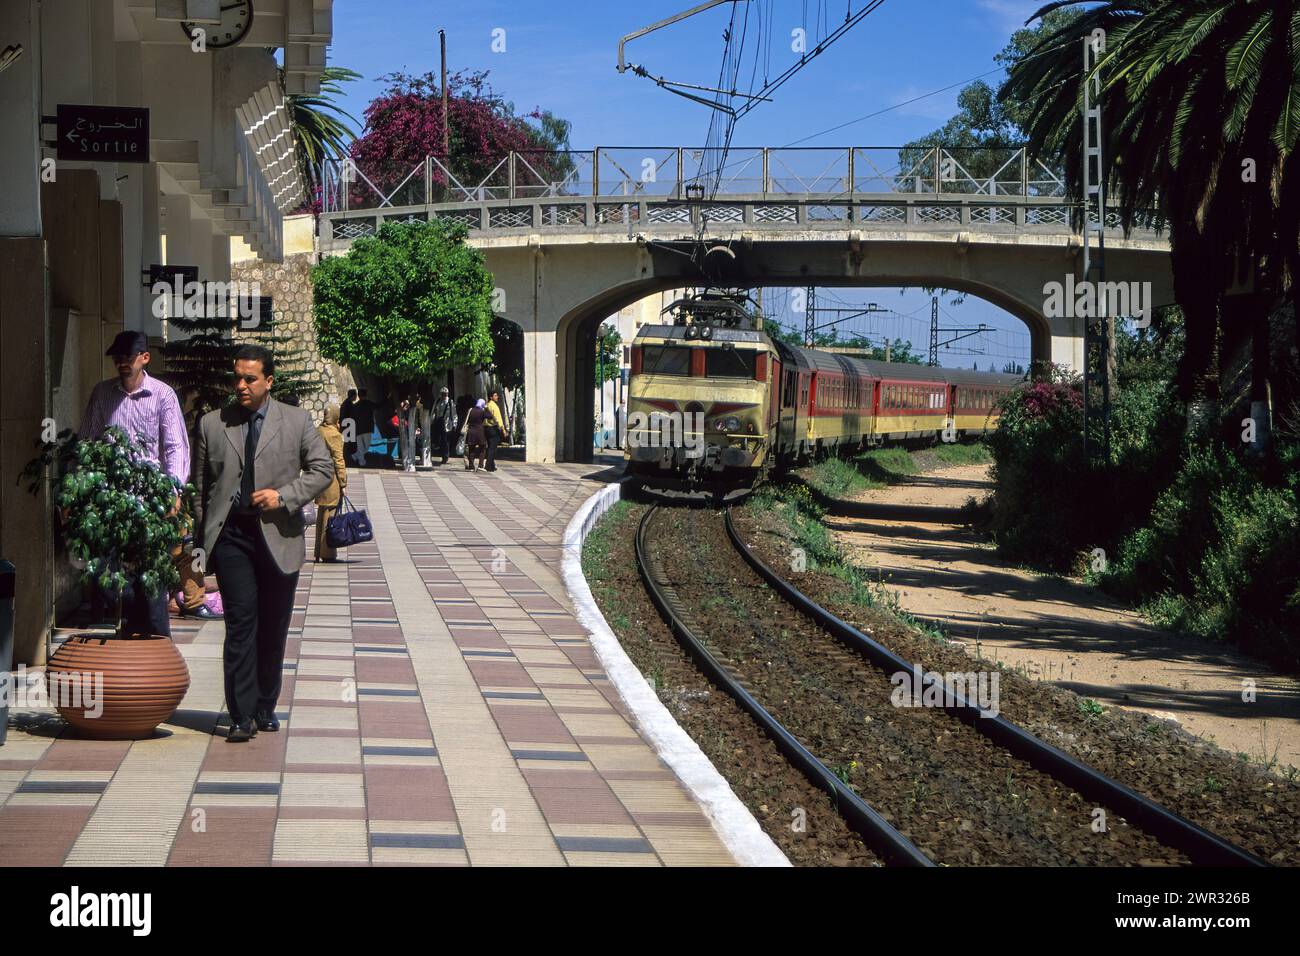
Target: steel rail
878 833
1175 831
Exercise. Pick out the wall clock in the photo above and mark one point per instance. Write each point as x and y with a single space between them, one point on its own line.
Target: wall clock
236 20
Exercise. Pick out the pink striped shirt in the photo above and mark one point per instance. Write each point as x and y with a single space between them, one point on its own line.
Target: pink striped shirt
151 414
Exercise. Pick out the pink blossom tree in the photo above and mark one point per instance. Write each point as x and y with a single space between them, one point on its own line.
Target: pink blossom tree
404 125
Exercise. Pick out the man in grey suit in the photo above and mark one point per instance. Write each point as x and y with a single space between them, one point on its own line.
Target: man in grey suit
255 465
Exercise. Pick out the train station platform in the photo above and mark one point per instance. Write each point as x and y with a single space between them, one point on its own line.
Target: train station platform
442 705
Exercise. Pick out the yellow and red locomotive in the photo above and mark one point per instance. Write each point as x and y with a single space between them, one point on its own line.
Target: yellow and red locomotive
711 401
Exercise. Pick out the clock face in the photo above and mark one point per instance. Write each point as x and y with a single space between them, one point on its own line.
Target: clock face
236 19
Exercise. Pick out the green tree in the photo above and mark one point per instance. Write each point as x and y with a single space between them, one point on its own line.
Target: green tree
982 139
1202 105
405 304
507 353
608 354
987 128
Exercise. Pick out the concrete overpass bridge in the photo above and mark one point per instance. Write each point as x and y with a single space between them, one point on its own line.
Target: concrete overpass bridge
573 237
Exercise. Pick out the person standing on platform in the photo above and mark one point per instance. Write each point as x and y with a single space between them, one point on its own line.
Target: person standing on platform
327 502
406 434
149 412
475 438
444 423
347 415
495 428
363 413
256 464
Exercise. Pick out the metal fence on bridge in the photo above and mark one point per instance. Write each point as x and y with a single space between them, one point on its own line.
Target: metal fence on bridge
676 172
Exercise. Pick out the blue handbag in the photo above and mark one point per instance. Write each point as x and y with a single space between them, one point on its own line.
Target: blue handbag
349 526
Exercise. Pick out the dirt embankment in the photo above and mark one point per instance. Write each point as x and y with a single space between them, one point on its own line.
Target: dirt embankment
1064 631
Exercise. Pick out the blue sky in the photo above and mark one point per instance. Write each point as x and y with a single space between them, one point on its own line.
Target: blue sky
561 57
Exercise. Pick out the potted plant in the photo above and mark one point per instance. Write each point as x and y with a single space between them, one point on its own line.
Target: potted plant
120 526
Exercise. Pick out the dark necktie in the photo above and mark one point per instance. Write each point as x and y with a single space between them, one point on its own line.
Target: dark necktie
246 486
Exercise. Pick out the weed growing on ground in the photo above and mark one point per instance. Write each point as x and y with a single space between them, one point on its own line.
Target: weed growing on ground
794 506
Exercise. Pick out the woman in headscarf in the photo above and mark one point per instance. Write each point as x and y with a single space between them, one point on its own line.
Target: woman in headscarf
328 501
475 436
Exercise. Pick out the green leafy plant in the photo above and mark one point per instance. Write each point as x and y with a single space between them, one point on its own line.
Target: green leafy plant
1090 709
120 523
406 303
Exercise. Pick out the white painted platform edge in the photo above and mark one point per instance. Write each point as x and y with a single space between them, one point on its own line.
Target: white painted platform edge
731 819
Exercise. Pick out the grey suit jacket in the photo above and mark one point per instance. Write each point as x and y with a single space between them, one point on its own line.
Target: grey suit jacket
291 458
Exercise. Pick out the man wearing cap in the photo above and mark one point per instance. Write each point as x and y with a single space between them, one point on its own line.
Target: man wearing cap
148 411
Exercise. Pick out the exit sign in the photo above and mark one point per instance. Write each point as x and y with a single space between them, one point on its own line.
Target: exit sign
110 134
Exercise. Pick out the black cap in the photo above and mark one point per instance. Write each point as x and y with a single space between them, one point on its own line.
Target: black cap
128 343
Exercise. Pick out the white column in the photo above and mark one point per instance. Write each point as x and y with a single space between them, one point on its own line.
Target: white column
540 383
20 116
180 248
1067 343
142 248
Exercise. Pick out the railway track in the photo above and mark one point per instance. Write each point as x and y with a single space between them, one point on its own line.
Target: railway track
859 660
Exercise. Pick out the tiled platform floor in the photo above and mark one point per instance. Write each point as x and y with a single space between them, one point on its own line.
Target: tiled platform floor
441 706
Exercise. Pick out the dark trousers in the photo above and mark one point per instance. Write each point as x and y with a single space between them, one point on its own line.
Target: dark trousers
258 600
141 614
442 441
493 439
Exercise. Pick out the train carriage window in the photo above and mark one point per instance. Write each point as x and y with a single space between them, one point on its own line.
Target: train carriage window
729 363
665 360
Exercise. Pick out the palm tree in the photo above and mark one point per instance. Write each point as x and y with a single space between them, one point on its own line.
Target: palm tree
1198 94
320 127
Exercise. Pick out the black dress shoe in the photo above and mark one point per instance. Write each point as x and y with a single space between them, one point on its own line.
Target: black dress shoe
203 613
241 731
266 721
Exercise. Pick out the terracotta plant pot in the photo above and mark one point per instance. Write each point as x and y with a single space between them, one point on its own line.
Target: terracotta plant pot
116 689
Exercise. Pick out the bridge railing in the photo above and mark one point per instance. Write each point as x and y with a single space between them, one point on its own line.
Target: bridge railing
681 173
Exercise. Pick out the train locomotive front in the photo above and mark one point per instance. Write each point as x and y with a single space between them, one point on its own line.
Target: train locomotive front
699 405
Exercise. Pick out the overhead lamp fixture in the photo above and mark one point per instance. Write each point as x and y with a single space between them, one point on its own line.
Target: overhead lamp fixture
694 191
10 55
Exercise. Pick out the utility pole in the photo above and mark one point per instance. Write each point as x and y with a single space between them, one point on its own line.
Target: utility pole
600 377
934 331
809 317
1094 270
446 122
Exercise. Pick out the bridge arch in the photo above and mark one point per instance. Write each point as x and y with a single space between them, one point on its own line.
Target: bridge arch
578 328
